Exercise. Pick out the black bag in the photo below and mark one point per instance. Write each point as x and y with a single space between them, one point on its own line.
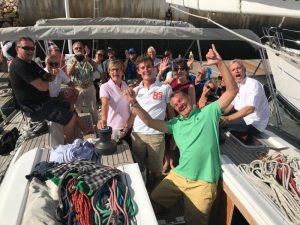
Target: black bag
8 140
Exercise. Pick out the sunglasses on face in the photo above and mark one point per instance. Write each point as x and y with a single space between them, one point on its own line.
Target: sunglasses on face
53 64
179 68
27 48
99 54
210 88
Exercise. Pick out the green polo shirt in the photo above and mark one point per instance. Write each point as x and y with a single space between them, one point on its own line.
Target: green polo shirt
197 138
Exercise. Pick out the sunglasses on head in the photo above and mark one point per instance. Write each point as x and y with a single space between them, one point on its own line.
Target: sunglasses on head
53 64
180 68
27 48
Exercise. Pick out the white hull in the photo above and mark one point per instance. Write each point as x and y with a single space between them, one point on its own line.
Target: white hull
286 74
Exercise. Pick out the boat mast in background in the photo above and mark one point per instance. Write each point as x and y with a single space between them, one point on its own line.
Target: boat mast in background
67 11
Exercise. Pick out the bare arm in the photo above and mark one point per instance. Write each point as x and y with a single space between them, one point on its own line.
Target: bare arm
239 114
40 84
192 94
228 109
92 62
88 59
144 116
72 67
231 87
214 58
169 81
104 112
164 64
159 125
130 120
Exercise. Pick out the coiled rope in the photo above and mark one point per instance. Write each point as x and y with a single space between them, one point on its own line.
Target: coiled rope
278 177
112 204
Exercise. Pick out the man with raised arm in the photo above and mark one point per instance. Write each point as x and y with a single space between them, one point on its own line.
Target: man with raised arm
195 132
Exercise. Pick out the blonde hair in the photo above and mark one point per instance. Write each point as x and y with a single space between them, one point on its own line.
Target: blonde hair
116 63
238 61
152 49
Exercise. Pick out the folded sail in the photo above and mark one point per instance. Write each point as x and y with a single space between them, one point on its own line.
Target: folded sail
289 8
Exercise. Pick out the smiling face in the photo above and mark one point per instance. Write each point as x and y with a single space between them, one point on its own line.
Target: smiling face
151 52
145 69
25 49
238 71
116 71
182 71
180 102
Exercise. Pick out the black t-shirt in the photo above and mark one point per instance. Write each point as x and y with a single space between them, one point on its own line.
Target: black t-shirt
21 74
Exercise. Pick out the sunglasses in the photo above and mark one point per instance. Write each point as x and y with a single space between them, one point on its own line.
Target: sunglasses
53 64
180 68
211 89
27 48
99 54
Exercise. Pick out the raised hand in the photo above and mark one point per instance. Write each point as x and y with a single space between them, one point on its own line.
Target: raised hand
212 56
190 62
164 64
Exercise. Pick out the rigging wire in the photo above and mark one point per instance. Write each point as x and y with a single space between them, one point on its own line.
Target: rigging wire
237 34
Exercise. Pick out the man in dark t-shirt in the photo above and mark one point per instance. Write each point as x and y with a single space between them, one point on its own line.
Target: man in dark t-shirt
22 74
30 84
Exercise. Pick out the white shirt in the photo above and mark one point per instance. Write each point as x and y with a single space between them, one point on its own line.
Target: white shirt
251 93
100 69
154 101
54 86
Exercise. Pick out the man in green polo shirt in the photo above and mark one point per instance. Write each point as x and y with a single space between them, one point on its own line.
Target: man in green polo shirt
195 132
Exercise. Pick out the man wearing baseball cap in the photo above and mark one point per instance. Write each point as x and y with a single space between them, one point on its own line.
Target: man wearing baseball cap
130 68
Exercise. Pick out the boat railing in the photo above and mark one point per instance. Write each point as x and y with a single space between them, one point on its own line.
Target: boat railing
283 39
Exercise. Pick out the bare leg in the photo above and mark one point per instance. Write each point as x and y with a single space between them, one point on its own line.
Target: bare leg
69 129
83 128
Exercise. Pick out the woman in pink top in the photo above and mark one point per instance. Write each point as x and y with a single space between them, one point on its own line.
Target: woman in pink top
115 110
